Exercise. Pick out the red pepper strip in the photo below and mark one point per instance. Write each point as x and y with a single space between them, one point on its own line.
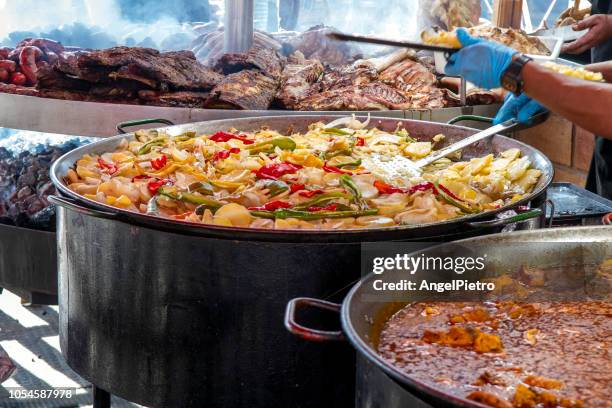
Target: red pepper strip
423 187
360 141
296 187
331 207
450 193
160 162
311 193
384 188
111 167
271 206
224 137
140 177
334 169
274 171
224 154
155 184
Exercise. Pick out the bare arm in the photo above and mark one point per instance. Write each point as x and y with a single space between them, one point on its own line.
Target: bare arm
604 67
587 104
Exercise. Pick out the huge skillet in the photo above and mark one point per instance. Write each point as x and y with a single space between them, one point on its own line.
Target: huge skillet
363 317
421 130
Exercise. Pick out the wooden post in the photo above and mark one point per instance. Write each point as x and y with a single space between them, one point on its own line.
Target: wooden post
507 13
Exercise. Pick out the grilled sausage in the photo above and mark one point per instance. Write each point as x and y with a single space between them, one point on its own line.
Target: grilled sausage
4 75
8 65
17 78
27 62
4 52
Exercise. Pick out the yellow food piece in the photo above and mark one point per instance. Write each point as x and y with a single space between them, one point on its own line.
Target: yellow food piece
543 382
487 343
237 214
576 72
524 397
222 221
418 150
443 38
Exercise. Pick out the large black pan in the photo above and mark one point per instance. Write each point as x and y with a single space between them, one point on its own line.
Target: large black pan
423 131
363 317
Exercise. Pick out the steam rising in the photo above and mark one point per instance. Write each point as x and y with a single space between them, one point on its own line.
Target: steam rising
103 23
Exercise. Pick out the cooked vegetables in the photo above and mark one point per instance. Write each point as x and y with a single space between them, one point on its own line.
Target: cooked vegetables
311 180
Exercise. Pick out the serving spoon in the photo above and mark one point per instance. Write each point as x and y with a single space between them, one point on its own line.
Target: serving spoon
401 168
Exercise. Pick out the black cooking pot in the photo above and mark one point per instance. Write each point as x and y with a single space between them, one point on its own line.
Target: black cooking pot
174 314
363 313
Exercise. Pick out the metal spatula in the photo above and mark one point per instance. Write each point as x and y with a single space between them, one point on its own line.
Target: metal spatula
399 169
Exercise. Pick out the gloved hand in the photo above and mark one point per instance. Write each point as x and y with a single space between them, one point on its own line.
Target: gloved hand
520 107
479 61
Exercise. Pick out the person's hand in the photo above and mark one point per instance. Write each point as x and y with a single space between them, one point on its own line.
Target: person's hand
522 108
479 61
600 29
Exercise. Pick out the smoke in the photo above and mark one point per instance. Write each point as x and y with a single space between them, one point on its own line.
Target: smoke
104 23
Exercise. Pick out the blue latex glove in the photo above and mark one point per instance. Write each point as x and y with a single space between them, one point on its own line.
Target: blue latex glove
479 61
520 107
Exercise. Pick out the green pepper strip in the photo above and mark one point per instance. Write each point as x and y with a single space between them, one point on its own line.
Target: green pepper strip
347 182
463 207
284 143
332 154
305 215
185 136
276 187
353 163
336 131
322 199
189 198
146 148
201 187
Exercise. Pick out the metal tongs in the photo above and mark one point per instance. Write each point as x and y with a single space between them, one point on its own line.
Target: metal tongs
383 41
402 168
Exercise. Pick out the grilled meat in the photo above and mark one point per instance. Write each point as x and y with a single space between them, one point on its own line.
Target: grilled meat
180 70
266 60
350 98
298 80
186 99
247 89
415 81
342 77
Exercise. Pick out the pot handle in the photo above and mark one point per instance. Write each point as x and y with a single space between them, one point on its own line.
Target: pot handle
305 332
473 118
122 125
72 205
534 121
523 216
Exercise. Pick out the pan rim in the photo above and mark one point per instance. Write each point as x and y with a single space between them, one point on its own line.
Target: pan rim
345 235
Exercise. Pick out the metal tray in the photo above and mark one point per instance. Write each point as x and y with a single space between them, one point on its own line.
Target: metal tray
100 119
574 205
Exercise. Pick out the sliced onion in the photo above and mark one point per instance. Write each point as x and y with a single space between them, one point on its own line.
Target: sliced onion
349 121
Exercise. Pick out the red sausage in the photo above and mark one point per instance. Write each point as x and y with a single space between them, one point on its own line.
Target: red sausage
17 78
27 62
4 52
4 75
8 65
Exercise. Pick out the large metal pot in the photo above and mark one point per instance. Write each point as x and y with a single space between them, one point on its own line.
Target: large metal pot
363 316
168 313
